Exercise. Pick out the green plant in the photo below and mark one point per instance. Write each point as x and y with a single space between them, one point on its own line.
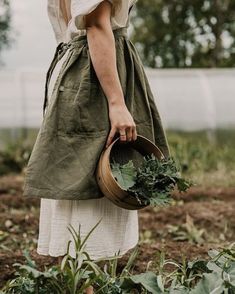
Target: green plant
208 163
79 272
112 282
14 157
72 276
30 280
146 237
152 182
220 274
187 232
216 275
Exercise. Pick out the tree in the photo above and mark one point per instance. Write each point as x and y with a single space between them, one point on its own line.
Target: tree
5 21
185 33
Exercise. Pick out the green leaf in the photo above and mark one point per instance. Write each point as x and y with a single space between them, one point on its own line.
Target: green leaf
124 174
149 281
127 285
155 180
35 273
210 283
179 289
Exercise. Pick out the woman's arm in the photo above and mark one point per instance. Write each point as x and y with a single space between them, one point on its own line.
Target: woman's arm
102 50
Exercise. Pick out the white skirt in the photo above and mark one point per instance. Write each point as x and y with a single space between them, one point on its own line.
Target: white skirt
117 231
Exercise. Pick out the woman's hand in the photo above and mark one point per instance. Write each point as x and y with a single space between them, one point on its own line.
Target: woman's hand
122 123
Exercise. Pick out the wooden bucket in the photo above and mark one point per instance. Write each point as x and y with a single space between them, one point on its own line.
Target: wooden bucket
108 184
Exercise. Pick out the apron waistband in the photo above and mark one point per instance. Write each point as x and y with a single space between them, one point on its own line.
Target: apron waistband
60 51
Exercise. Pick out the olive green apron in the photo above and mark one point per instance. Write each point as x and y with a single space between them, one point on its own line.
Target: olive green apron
76 123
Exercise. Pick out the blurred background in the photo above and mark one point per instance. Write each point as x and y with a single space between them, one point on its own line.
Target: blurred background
188 49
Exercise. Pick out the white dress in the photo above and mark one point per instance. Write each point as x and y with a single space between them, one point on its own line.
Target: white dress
119 228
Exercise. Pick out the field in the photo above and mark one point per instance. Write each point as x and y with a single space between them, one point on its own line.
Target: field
201 219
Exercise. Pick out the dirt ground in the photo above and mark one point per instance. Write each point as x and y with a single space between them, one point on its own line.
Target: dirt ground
197 221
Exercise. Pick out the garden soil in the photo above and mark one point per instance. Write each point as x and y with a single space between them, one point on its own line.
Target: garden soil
197 221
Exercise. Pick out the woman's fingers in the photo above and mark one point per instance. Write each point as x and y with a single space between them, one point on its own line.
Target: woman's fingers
126 134
122 134
110 137
134 133
129 134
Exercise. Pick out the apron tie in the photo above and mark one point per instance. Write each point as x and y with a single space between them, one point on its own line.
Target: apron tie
61 49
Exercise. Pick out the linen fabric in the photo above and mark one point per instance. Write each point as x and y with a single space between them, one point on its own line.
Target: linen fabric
79 8
117 232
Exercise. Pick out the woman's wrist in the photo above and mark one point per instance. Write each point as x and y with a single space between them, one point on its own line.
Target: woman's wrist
116 101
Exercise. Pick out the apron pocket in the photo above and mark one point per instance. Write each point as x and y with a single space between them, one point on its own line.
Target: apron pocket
68 114
79 112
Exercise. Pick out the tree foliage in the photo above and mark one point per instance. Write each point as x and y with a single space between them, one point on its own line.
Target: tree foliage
185 33
5 24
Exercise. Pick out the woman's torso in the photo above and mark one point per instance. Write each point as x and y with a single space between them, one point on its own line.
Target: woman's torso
67 16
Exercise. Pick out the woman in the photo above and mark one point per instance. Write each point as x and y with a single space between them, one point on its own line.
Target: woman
101 91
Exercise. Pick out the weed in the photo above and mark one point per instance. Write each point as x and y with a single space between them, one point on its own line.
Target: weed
187 232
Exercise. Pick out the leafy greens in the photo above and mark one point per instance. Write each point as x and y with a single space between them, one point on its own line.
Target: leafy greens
152 182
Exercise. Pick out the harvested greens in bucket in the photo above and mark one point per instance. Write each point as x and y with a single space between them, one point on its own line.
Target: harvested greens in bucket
152 182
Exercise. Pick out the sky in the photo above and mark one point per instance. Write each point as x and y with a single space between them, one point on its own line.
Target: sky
34 43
